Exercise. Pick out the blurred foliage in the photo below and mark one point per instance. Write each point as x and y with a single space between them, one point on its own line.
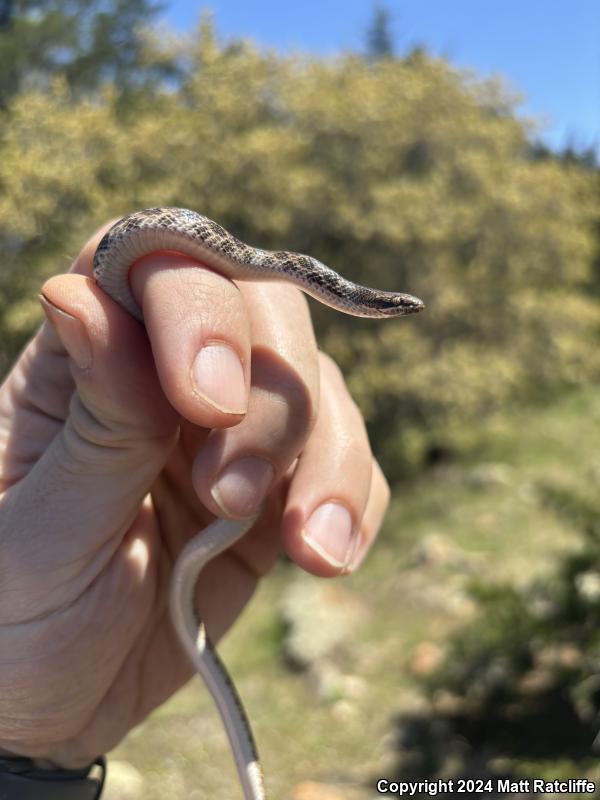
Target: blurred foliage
520 684
86 41
402 173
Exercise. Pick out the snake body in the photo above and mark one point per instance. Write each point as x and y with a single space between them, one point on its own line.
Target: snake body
185 231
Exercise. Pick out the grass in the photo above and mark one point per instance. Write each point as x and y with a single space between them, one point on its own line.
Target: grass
489 517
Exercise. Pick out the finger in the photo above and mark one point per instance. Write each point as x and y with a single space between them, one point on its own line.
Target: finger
35 397
199 330
200 334
330 488
237 467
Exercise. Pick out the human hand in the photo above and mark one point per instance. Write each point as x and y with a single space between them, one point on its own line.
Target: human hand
118 444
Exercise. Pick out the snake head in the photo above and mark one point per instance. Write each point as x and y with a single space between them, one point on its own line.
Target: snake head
394 304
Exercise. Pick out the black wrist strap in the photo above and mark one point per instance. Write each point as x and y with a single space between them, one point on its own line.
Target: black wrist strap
20 780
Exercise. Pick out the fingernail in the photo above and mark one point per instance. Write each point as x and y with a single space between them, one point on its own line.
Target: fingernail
241 487
71 332
329 532
218 375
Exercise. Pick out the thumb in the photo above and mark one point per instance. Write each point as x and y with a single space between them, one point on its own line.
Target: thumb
84 491
111 359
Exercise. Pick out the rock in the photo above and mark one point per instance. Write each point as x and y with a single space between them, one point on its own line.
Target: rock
543 608
355 687
448 704
435 549
320 617
344 711
537 681
560 656
460 604
331 684
487 475
588 587
310 790
425 659
326 680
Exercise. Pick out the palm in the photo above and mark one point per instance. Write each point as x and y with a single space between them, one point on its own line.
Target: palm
114 627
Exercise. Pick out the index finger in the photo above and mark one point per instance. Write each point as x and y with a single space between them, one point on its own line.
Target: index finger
199 331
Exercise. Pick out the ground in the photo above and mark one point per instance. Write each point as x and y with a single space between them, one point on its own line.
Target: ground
328 731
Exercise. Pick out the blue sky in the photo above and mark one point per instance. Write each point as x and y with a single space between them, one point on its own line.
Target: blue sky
548 50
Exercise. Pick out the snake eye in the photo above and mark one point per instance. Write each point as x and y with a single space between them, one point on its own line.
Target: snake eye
389 303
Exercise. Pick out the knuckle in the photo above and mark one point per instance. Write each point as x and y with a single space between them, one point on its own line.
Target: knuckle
201 292
300 410
330 368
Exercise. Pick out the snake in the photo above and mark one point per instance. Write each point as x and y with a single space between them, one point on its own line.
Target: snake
180 230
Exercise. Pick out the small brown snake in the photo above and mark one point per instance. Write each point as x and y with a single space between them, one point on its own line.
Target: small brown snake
184 231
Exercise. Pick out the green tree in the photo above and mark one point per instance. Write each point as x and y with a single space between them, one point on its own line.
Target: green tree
407 175
380 41
90 42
